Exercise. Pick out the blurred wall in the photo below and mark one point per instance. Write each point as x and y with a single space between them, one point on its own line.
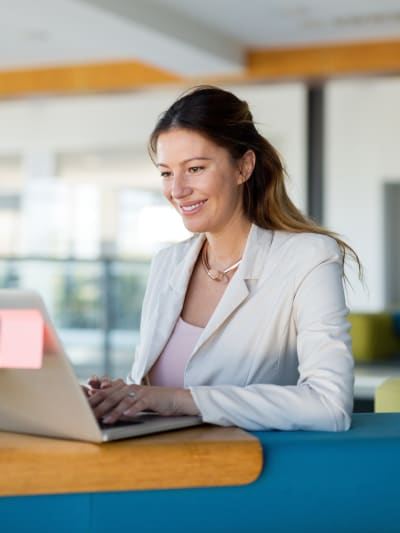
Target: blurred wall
362 153
361 149
91 148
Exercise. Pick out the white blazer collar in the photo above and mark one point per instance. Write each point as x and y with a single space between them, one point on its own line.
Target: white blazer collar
180 277
254 257
242 283
172 299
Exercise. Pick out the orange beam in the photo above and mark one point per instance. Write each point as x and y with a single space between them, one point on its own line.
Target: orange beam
380 57
117 76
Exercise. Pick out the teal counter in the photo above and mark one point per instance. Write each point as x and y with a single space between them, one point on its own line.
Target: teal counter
311 481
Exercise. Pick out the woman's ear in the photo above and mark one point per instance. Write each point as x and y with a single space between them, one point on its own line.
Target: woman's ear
246 165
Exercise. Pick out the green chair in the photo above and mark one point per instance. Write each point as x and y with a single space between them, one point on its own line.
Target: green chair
387 396
373 336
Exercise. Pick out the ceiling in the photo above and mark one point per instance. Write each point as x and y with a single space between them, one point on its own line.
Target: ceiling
184 37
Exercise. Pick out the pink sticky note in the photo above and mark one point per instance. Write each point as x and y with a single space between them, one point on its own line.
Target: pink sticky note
21 338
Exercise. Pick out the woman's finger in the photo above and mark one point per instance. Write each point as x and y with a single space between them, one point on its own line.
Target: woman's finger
105 400
128 405
94 382
86 391
131 402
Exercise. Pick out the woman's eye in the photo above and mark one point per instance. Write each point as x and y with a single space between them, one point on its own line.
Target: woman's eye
165 175
193 170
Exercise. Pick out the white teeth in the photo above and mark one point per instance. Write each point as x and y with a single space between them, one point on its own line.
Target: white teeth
192 207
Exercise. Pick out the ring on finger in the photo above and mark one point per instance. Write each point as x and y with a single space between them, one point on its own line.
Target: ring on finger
132 394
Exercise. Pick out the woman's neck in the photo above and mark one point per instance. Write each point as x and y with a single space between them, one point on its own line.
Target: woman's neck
227 246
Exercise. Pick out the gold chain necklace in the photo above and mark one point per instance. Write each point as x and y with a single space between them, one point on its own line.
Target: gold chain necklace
214 274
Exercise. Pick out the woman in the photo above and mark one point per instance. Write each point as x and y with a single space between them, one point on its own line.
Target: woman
245 323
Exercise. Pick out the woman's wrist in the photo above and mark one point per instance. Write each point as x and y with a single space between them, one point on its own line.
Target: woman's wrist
184 403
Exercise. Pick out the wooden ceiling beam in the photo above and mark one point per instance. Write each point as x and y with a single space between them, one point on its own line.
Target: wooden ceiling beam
80 79
300 63
325 61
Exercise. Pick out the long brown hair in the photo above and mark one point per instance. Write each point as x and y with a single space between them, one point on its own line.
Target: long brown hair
227 121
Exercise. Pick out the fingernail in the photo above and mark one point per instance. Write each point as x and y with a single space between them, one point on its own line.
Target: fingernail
107 419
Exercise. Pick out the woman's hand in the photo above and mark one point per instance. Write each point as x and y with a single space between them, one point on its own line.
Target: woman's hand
96 383
119 401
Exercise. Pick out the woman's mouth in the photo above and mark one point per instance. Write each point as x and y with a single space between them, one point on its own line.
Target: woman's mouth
189 209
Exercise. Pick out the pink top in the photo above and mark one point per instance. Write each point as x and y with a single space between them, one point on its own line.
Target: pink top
169 368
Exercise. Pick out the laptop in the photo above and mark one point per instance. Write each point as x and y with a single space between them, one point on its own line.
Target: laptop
48 400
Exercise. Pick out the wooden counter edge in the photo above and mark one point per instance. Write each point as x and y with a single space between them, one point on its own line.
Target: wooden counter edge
206 456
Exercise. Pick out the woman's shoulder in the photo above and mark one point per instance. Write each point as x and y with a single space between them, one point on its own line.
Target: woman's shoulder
176 251
302 252
297 254
312 244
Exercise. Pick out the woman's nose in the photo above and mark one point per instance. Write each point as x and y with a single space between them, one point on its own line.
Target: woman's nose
180 188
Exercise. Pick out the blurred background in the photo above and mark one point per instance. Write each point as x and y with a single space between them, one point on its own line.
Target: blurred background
82 83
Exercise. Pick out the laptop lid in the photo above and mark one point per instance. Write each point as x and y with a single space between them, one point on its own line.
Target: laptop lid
48 400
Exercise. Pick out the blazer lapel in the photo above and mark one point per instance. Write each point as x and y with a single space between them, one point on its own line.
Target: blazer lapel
242 283
172 298
171 301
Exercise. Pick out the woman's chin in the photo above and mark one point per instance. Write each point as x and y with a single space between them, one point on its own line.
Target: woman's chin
194 227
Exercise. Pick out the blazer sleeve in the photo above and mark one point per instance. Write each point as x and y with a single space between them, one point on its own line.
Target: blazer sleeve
144 319
322 398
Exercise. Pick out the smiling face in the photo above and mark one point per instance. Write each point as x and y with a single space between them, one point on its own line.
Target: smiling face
200 179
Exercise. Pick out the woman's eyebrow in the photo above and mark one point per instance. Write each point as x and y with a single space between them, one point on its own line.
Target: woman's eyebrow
187 160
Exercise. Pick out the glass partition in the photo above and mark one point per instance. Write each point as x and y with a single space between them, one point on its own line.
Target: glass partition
95 306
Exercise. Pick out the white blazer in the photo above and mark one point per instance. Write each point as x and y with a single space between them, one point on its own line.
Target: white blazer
276 353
